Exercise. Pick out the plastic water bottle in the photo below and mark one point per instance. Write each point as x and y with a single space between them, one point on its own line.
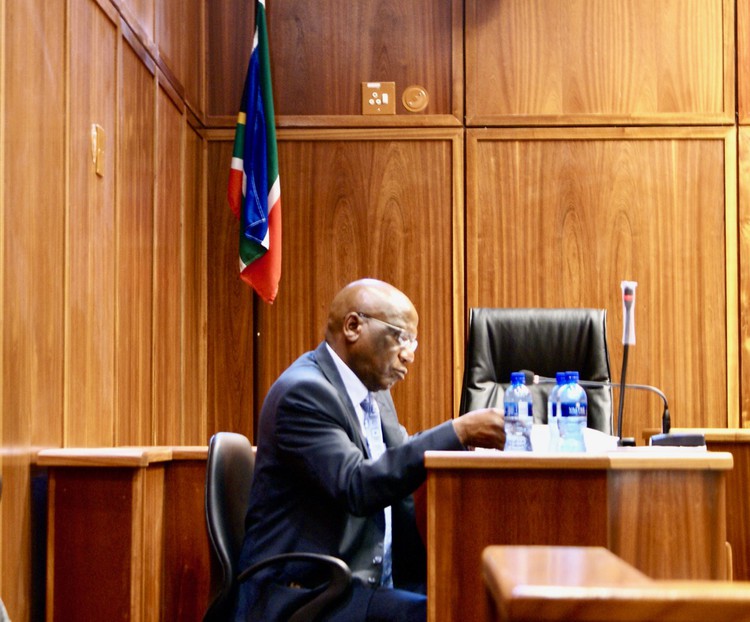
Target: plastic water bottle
518 414
553 412
573 414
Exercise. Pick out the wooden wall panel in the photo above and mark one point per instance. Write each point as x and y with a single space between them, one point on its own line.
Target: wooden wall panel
191 13
140 15
180 48
167 294
194 271
370 204
743 61
32 234
589 62
171 27
319 64
744 272
230 348
135 237
91 273
229 41
557 218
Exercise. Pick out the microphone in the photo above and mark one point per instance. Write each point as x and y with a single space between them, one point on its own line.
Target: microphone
685 439
628 337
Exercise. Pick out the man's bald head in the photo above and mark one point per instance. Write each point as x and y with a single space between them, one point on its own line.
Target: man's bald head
357 333
369 296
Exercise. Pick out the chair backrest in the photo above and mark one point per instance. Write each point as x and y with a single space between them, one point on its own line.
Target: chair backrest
229 475
542 341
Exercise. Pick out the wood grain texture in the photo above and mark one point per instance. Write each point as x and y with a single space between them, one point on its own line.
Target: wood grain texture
230 348
743 62
167 413
93 497
185 546
583 62
671 547
557 218
743 236
194 277
229 40
32 144
319 64
141 15
135 251
737 503
590 583
90 310
356 205
513 502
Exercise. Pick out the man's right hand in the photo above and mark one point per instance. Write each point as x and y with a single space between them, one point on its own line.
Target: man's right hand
481 428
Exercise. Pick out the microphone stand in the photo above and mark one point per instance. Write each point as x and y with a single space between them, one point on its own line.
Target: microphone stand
628 298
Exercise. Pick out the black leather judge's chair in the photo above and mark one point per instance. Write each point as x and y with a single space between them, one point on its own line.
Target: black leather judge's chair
541 341
229 475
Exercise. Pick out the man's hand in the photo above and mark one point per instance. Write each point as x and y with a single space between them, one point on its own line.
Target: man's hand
481 428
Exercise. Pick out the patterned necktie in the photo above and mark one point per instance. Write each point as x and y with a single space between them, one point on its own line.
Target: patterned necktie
374 435
373 429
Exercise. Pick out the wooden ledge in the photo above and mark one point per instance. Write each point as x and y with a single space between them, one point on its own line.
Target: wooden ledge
643 458
118 456
591 584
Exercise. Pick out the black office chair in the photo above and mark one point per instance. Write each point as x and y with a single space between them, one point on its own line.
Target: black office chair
229 475
541 341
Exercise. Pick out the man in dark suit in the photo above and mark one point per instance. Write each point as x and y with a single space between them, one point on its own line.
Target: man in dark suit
327 481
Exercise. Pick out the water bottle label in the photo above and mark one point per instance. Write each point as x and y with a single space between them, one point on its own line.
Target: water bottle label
518 409
572 409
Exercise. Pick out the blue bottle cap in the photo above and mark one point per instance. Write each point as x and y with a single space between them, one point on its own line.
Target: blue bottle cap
517 377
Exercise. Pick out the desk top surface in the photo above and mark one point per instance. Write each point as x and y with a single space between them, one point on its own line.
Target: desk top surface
118 456
558 583
630 458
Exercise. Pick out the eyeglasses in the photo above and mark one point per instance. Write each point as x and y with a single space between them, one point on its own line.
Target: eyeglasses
403 340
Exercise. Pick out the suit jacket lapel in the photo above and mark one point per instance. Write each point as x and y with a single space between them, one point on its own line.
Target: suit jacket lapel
328 367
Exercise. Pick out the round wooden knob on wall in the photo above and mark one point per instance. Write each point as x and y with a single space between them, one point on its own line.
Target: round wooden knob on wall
415 98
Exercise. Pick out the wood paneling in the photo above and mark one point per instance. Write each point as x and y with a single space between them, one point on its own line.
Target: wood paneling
319 64
90 308
180 49
319 59
230 362
191 13
171 28
588 62
643 507
229 41
358 204
194 277
167 295
743 61
559 217
32 242
140 15
135 252
744 271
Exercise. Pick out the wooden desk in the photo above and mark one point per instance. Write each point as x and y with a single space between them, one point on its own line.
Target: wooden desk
736 442
126 534
592 584
662 511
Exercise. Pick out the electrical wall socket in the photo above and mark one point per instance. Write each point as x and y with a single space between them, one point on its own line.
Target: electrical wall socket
378 98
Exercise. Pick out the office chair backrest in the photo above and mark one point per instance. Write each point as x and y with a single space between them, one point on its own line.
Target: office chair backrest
542 341
229 475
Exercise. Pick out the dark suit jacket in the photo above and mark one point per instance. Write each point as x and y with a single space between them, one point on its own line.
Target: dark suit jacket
315 490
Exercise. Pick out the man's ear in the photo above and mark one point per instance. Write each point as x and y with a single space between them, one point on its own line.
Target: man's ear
352 327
